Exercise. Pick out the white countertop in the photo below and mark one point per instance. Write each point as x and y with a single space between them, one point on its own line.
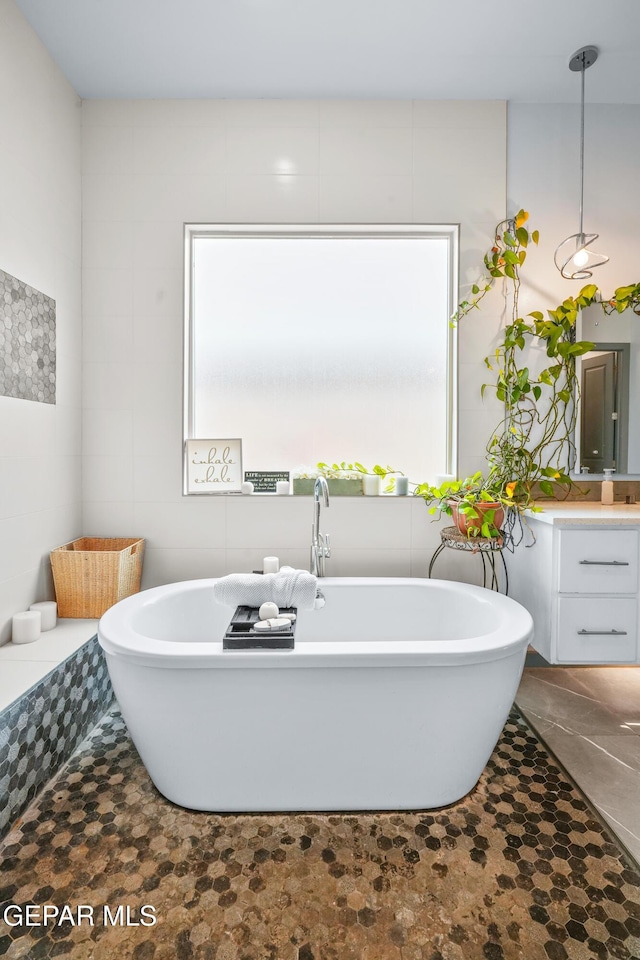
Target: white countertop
22 665
587 512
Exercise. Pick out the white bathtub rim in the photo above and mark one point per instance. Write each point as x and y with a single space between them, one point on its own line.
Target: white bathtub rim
512 634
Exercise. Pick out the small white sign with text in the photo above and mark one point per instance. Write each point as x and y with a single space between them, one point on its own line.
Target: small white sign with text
214 466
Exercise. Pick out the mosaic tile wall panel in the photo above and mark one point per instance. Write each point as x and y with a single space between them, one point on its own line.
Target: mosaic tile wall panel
42 729
520 869
27 342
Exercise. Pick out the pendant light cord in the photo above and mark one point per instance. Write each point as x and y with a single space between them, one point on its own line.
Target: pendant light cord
582 73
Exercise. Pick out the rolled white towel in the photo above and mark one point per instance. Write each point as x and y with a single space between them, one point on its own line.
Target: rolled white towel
297 588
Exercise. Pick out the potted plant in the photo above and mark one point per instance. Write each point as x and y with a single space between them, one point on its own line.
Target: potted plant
477 505
372 479
533 445
531 453
343 479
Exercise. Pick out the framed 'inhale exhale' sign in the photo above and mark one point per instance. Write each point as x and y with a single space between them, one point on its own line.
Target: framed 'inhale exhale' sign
214 466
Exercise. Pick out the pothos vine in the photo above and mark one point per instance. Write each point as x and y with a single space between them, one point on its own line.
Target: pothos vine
532 448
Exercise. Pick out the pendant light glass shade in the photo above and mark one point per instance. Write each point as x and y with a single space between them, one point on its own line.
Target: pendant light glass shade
573 258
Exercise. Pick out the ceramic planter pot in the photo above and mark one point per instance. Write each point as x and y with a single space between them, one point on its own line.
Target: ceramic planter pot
466 525
338 487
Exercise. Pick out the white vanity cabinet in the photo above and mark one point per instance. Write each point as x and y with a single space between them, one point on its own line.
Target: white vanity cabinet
579 581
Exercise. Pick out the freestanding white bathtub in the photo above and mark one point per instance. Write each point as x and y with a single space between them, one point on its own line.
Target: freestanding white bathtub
393 698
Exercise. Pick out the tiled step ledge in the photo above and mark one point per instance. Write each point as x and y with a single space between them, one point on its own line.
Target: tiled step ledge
52 692
23 665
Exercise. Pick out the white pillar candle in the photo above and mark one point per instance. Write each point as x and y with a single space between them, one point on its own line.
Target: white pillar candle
247 487
49 613
370 485
26 626
270 565
402 486
282 488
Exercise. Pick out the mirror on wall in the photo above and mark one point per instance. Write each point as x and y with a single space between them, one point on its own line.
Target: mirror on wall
609 408
324 342
604 398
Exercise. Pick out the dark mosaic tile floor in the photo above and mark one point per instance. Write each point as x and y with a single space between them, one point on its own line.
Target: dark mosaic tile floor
519 870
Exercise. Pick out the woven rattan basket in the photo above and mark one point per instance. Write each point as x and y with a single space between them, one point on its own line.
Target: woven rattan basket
93 573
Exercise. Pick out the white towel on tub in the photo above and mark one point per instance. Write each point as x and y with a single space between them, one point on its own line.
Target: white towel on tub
295 588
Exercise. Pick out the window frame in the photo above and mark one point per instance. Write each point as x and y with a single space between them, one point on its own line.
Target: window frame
449 231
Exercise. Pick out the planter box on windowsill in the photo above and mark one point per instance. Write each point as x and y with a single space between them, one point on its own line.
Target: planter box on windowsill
339 487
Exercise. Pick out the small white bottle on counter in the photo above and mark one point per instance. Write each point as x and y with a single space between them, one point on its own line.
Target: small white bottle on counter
606 487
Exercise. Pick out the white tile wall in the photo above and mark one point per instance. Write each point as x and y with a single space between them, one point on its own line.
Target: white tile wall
151 166
545 181
40 462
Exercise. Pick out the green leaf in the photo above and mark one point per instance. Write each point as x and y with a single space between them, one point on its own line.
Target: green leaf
509 239
510 271
475 289
535 236
523 236
546 487
537 392
582 346
589 291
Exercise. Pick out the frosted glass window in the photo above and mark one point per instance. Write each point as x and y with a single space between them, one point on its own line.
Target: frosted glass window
327 343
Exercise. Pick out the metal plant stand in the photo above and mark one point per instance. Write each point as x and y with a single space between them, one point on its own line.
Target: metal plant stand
485 547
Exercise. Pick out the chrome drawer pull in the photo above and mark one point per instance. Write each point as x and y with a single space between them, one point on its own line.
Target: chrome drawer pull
604 563
602 633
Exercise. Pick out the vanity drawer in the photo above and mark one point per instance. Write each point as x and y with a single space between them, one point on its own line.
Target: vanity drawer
598 561
597 630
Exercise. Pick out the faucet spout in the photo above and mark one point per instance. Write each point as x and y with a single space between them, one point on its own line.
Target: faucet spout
320 548
321 489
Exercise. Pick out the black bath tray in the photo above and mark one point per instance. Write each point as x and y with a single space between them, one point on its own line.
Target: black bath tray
241 634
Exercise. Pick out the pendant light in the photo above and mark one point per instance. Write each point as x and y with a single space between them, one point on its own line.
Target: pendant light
572 257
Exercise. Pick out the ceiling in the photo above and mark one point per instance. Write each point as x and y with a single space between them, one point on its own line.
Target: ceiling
432 49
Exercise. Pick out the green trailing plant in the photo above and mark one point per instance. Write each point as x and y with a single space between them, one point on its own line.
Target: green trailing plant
533 445
356 469
624 298
349 471
532 449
